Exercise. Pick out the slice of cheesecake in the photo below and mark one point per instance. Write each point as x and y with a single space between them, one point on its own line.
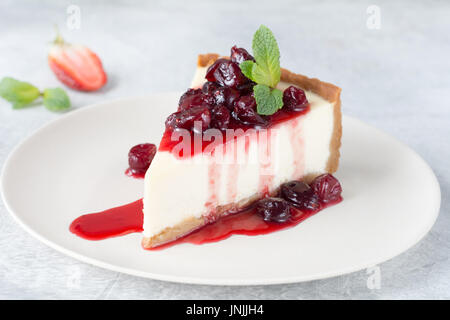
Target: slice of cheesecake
185 190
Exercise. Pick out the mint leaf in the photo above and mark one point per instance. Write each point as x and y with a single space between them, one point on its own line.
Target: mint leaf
266 71
267 56
268 101
19 93
261 76
56 99
247 68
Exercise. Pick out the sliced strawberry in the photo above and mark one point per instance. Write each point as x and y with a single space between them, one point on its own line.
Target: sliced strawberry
76 66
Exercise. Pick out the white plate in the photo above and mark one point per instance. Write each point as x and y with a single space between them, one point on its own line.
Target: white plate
76 165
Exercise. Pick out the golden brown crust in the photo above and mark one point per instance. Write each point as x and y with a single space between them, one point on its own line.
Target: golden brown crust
326 90
170 234
190 224
332 94
205 60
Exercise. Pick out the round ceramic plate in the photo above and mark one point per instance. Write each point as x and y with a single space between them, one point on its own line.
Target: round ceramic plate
76 165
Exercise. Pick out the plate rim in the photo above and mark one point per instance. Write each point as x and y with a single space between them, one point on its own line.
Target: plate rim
197 280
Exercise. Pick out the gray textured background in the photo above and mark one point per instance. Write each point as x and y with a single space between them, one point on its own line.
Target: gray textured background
395 78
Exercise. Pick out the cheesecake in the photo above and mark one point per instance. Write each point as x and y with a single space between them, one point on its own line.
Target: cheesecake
251 149
219 154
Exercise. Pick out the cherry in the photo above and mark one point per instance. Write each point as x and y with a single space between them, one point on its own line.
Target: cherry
193 98
300 195
140 157
247 88
239 55
186 119
226 73
220 117
274 210
209 87
245 111
327 188
225 96
294 99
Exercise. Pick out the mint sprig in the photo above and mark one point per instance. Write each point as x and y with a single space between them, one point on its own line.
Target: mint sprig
21 94
265 71
268 101
56 99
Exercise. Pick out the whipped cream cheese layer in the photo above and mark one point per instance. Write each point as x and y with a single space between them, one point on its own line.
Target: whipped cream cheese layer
178 189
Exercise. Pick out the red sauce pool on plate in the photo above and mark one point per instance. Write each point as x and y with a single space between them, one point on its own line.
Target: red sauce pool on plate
128 218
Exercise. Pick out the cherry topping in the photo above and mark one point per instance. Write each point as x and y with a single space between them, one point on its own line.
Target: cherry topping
209 87
228 88
225 96
246 88
245 111
274 210
140 157
193 98
220 117
327 188
186 119
239 55
294 99
300 195
226 73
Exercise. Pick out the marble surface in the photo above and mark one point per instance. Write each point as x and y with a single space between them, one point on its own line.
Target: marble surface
395 78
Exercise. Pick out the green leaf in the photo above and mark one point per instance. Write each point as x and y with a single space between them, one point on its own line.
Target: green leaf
267 56
19 93
56 99
268 101
266 71
247 67
261 76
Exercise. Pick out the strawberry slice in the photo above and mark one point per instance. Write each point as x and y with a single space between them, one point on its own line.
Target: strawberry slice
76 66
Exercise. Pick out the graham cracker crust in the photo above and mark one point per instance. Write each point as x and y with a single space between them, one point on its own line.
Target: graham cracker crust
328 91
191 224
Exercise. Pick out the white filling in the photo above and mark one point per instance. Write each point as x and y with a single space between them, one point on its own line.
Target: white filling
199 77
178 189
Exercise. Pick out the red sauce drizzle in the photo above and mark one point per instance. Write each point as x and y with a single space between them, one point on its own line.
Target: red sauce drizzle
266 170
233 173
132 174
113 222
214 174
129 218
297 147
168 142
